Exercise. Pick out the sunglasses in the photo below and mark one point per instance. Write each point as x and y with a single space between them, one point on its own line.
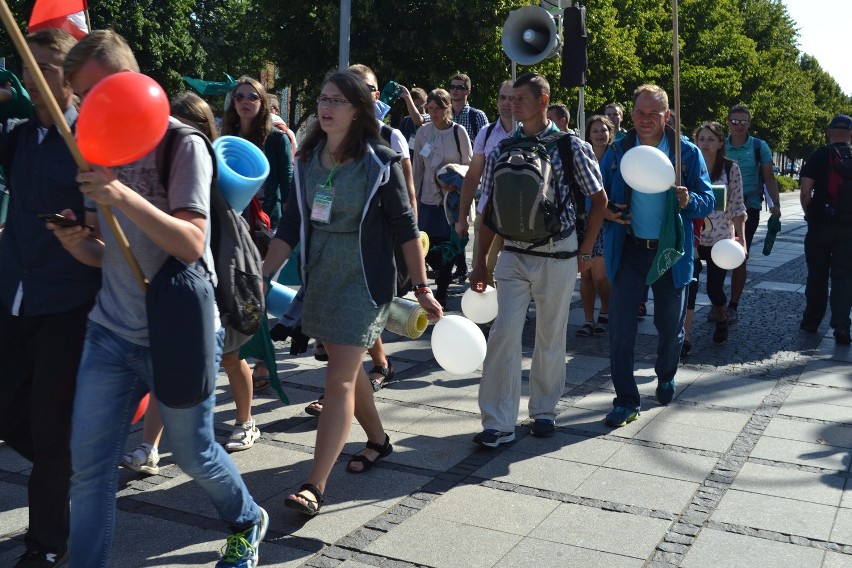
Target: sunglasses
240 97
458 88
738 122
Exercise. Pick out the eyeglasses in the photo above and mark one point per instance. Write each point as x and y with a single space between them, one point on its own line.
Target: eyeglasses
330 102
240 97
738 122
458 88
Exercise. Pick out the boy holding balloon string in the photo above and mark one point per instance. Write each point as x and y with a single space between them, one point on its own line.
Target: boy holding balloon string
116 368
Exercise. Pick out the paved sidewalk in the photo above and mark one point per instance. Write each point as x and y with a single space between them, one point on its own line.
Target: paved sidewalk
749 465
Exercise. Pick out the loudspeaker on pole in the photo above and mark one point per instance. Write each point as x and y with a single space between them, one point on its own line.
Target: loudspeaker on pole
530 36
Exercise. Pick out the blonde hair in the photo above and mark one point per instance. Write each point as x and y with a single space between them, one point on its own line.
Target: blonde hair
654 91
106 47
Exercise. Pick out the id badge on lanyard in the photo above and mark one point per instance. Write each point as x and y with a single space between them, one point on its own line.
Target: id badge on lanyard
321 208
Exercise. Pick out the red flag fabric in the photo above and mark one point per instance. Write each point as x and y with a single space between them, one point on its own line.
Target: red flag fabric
63 14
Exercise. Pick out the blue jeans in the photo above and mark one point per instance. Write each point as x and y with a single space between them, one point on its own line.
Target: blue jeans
114 375
628 290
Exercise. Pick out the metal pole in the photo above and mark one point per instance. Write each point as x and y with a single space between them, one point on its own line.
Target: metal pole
345 18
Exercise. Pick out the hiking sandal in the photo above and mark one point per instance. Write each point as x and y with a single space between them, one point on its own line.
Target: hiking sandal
315 408
586 331
600 326
309 508
386 372
383 450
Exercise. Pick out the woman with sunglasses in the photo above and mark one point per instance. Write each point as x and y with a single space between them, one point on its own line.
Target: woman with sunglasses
249 116
350 205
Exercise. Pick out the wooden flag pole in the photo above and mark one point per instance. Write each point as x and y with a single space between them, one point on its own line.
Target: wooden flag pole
676 69
65 131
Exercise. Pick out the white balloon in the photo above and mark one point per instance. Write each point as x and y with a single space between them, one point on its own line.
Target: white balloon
458 345
727 254
647 170
480 307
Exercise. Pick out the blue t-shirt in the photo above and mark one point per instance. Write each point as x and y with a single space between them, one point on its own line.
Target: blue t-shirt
646 209
744 156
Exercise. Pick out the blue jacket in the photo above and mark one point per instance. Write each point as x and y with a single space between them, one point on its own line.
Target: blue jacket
694 177
387 218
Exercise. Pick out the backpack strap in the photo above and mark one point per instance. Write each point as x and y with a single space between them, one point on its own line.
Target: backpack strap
756 146
727 164
386 132
456 126
489 130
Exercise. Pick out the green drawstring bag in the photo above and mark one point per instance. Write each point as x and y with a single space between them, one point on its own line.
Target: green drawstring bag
670 247
773 227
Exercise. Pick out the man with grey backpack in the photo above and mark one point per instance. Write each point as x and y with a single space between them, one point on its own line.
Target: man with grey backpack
528 181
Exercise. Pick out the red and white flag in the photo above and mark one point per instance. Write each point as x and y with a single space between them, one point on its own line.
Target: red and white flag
63 14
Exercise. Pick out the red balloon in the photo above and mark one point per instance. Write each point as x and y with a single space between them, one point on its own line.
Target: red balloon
140 410
122 119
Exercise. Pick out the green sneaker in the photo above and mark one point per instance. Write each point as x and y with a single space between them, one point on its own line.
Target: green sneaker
621 416
240 550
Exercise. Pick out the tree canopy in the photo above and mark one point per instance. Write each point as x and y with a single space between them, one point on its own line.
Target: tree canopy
731 52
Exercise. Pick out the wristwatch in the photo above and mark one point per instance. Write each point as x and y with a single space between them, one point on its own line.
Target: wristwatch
585 257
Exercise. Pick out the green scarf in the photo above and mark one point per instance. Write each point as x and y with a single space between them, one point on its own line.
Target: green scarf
670 246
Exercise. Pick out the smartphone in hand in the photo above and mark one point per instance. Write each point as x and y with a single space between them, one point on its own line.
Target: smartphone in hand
63 221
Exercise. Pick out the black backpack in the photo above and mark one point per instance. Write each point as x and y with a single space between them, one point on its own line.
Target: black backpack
839 194
518 207
236 260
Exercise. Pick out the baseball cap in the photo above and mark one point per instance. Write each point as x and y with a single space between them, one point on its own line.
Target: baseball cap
841 122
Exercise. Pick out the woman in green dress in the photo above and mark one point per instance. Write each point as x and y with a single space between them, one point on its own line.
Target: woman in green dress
348 206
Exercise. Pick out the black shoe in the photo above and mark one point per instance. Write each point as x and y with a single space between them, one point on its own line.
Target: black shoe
808 326
686 348
39 559
720 336
841 337
543 428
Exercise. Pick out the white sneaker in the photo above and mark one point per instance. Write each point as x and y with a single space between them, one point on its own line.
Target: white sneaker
243 437
143 459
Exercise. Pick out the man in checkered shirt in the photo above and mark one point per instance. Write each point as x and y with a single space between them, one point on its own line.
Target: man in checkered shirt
471 118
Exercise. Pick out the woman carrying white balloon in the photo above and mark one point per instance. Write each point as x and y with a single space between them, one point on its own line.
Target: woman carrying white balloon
718 226
349 205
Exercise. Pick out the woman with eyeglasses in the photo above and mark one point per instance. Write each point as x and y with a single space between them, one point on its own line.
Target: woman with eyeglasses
349 206
726 224
438 143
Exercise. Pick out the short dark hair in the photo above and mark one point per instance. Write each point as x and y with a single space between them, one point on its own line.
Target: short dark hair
461 77
537 84
616 106
53 39
603 119
419 93
364 73
560 110
739 108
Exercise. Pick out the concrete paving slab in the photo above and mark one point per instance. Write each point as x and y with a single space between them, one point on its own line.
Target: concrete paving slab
459 428
842 530
11 461
715 548
728 391
544 554
802 453
813 432
823 488
569 447
804 409
837 560
539 472
637 489
777 514
686 436
493 509
607 531
591 420
777 286
459 544
14 511
821 395
662 463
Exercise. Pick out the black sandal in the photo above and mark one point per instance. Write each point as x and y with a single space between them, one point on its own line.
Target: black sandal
310 409
384 450
309 508
600 326
386 372
586 331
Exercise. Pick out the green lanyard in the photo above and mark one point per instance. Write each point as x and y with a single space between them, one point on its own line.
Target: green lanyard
328 180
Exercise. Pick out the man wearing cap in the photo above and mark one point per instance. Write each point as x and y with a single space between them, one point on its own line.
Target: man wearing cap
826 197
